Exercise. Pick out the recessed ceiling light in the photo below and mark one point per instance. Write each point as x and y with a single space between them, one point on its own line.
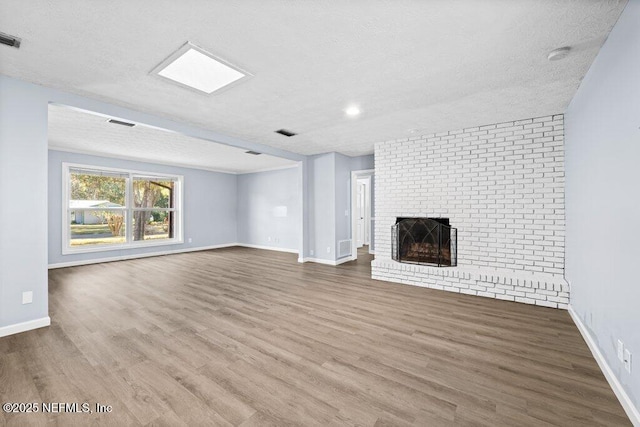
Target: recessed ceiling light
559 53
352 111
198 69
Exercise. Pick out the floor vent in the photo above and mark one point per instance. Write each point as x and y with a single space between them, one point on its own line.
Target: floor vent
344 248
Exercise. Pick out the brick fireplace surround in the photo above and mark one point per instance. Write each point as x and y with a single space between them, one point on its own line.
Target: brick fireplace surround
502 187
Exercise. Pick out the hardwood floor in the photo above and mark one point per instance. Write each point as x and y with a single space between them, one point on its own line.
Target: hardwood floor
248 337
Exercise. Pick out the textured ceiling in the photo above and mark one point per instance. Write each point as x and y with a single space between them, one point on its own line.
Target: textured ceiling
425 65
77 131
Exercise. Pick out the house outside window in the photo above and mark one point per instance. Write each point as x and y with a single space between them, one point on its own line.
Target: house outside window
108 209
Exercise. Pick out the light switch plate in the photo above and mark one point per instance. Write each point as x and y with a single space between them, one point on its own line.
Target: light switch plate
27 297
620 351
627 360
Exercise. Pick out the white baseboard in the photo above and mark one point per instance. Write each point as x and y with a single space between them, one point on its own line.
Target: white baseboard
268 248
343 260
135 256
160 253
16 328
632 412
326 261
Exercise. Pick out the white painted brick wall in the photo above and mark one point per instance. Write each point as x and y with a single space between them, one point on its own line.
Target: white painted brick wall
501 186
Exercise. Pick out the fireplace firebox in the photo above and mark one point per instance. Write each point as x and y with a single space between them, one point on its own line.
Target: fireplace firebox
429 241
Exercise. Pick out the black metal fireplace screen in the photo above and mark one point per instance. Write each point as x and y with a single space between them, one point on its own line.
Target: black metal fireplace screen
424 241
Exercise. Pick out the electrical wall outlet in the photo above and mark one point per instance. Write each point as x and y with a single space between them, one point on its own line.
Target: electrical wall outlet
269 239
189 240
627 360
328 249
27 297
620 348
311 252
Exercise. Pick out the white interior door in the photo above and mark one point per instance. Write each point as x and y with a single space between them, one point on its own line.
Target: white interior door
360 212
366 208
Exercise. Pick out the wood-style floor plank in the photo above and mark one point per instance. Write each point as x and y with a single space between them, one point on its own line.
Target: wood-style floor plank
246 337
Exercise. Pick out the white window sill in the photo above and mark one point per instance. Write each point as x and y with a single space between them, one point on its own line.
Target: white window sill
121 247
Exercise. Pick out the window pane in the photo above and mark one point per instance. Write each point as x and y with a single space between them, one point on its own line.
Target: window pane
153 225
96 228
102 203
89 189
153 193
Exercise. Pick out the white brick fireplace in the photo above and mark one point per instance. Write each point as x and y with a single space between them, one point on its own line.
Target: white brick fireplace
502 187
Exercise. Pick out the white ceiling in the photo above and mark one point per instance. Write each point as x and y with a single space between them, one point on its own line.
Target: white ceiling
409 64
82 132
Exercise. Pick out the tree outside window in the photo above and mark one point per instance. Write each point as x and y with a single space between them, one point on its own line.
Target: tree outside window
107 207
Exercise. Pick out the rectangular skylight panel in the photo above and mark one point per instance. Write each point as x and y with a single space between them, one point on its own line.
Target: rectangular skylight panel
200 71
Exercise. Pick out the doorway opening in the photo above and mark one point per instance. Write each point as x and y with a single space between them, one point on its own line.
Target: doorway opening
362 208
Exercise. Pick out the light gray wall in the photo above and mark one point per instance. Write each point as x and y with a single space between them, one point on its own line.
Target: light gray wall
329 198
262 198
304 200
361 162
343 198
23 212
603 197
322 212
209 206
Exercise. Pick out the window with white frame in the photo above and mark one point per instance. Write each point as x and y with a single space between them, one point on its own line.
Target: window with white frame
106 209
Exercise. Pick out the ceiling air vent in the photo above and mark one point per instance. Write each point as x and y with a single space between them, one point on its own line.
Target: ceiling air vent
286 132
121 123
255 153
10 40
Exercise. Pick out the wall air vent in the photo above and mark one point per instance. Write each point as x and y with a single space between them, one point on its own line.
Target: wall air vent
121 123
286 132
10 40
344 248
255 153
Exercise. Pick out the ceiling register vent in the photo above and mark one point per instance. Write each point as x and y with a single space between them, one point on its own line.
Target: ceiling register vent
286 132
10 40
255 153
121 123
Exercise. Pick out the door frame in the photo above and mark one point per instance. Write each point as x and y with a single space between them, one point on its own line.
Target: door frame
365 184
365 173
